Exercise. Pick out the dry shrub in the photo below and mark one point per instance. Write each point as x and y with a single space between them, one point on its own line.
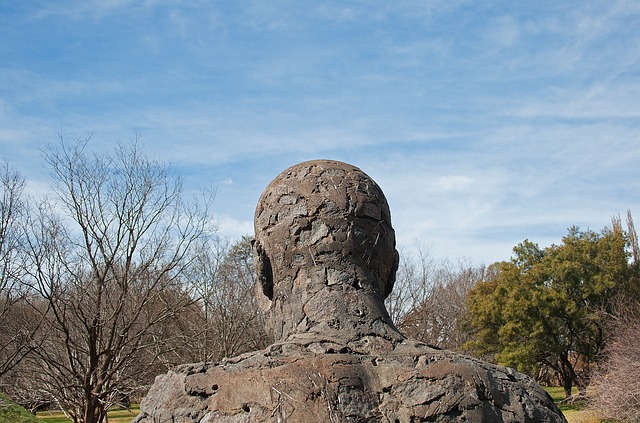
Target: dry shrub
616 393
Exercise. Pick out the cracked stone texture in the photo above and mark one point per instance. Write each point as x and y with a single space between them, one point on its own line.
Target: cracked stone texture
326 260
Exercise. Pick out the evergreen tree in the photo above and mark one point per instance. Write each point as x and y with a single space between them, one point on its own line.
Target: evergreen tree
547 308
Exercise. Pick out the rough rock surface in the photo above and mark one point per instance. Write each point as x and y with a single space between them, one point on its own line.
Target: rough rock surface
326 260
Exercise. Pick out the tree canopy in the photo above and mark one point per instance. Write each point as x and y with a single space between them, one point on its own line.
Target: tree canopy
545 309
105 257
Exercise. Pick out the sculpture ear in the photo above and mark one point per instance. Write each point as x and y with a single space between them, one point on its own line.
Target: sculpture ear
391 279
262 265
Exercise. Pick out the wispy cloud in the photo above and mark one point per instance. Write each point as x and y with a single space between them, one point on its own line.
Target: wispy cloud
484 123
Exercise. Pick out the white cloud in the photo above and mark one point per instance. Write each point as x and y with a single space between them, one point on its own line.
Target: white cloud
453 182
233 228
483 129
503 32
97 10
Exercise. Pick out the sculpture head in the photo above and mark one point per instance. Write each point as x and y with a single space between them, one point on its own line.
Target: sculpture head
323 232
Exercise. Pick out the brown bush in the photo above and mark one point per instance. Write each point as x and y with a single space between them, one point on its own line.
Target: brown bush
616 393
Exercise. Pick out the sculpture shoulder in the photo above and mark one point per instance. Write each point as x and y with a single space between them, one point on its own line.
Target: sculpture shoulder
412 382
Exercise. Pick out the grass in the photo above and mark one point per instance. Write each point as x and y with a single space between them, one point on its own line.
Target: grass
557 394
116 415
13 413
52 417
576 412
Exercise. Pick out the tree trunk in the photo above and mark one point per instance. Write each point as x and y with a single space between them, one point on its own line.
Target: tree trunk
567 384
95 411
566 374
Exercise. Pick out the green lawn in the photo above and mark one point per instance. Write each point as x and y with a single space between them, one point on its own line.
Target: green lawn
576 412
116 415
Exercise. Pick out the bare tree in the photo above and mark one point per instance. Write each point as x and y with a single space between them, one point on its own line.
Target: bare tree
223 279
16 329
107 254
616 392
438 319
428 302
414 283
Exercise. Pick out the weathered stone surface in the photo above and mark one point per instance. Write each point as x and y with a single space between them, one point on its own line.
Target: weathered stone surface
326 259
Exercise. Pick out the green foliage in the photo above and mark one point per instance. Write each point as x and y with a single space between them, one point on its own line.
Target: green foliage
546 308
11 412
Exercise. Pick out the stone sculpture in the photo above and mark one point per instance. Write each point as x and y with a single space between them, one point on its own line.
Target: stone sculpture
326 260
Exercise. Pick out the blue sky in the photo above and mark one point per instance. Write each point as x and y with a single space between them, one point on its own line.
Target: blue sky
485 123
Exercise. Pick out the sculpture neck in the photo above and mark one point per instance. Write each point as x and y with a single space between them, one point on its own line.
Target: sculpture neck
326 306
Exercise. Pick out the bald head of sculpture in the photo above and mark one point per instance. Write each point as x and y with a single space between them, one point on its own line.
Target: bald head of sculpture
323 233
